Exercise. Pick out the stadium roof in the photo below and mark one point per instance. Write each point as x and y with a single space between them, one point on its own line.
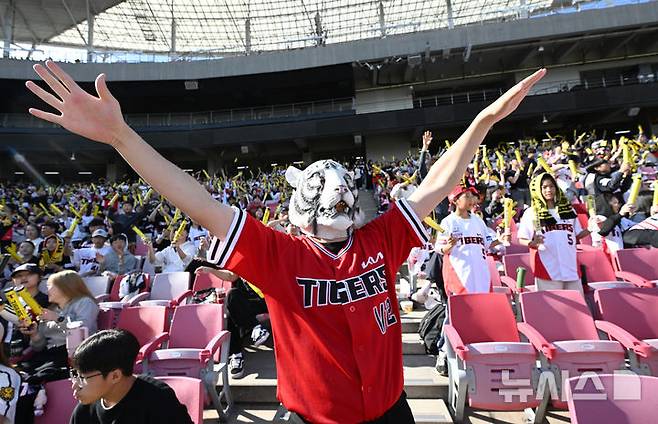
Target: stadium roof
228 27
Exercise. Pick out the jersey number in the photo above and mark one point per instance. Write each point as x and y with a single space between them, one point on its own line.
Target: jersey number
570 239
384 315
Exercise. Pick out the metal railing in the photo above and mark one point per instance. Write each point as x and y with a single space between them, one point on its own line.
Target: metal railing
552 87
208 118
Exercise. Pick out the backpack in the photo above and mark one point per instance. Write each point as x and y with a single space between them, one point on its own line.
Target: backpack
209 295
430 328
131 284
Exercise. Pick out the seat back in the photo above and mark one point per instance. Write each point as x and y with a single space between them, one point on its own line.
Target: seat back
597 265
206 280
193 326
116 285
144 322
189 392
612 398
493 271
512 262
61 403
483 317
169 285
633 309
558 315
640 261
97 285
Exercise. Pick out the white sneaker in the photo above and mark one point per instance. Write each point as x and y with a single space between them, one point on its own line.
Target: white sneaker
259 335
236 366
442 363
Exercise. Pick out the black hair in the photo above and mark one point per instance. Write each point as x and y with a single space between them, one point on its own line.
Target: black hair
96 222
107 351
119 237
51 224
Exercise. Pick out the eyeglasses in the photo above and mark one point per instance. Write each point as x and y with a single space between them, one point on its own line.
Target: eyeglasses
80 380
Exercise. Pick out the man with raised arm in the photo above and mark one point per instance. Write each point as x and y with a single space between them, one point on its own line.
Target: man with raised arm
330 292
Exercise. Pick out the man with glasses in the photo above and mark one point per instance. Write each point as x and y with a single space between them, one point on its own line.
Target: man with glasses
103 382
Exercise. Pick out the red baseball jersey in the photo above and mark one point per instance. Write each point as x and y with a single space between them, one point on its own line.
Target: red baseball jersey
336 321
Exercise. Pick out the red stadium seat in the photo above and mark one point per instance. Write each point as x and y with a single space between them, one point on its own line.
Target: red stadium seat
631 316
612 399
560 327
483 345
60 405
206 280
197 342
168 289
189 392
641 262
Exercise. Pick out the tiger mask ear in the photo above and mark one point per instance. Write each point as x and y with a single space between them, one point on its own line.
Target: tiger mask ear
293 175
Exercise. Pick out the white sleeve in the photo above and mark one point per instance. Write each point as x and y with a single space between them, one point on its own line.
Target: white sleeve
577 228
442 239
526 228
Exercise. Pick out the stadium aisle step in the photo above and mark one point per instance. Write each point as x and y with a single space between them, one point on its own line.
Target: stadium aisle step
259 383
425 411
411 321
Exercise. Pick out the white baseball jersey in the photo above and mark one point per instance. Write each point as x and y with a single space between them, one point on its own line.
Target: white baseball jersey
465 268
614 240
10 383
85 258
557 261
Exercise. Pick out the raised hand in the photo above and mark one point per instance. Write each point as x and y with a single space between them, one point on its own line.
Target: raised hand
508 102
98 118
427 139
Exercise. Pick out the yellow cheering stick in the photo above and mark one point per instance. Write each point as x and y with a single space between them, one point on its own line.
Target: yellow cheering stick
411 179
543 164
591 205
580 137
55 209
589 151
11 249
114 199
140 234
93 187
139 198
266 216
72 227
501 160
508 211
487 163
447 144
635 188
17 306
148 195
74 211
574 169
432 223
205 174
238 175
517 153
655 193
176 216
95 211
45 210
640 130
180 230
29 300
377 169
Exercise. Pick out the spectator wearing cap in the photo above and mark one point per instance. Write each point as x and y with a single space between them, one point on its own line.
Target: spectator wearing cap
94 224
118 260
86 259
601 179
29 276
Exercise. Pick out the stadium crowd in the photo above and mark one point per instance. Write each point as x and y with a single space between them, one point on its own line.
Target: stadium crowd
53 237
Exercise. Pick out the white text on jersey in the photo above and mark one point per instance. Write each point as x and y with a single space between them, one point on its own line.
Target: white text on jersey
332 292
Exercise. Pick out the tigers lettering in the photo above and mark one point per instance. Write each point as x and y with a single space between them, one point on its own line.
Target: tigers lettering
331 292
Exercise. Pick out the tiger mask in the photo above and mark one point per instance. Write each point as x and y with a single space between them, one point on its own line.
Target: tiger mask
324 203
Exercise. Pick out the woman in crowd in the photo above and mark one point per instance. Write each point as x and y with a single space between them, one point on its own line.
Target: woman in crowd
551 230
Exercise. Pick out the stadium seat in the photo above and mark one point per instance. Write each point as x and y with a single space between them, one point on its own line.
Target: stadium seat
110 305
631 317
168 289
640 262
206 280
98 286
619 398
511 263
559 325
189 392
483 347
60 405
147 323
496 279
196 340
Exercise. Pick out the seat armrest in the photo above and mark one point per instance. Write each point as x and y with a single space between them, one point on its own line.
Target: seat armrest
634 278
510 283
628 340
537 340
134 301
102 298
150 347
180 299
455 341
214 344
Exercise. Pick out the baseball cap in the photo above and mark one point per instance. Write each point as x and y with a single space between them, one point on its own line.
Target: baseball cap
458 191
99 233
31 268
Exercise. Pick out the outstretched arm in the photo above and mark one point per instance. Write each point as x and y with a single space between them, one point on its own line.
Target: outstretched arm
99 118
447 171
